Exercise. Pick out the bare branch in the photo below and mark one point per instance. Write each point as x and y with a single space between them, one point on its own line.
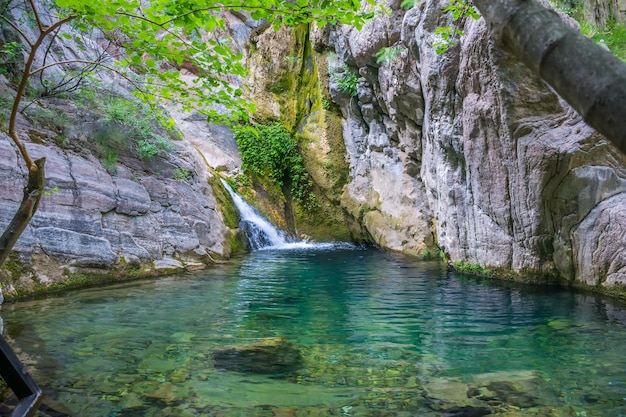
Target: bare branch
22 88
56 25
68 82
37 18
18 30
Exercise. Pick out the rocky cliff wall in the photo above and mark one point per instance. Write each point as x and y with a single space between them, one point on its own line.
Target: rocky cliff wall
468 152
101 225
110 214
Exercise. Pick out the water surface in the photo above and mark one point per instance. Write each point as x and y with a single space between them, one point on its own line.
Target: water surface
379 335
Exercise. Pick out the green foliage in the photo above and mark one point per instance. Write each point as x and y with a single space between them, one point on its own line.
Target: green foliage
129 124
388 54
10 54
347 81
614 37
13 266
47 117
449 35
269 150
78 280
61 141
461 8
244 180
159 37
574 8
179 25
408 4
52 191
149 148
182 174
471 268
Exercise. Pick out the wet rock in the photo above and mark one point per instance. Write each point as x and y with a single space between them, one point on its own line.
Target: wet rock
468 411
510 393
269 356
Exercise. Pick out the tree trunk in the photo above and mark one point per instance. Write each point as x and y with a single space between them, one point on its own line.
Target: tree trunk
32 194
589 78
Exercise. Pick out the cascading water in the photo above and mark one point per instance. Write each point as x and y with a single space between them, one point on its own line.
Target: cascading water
260 232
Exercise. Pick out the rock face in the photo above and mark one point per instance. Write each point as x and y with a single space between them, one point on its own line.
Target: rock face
95 222
469 152
104 218
464 153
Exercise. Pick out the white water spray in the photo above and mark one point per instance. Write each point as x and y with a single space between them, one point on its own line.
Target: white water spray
260 232
264 235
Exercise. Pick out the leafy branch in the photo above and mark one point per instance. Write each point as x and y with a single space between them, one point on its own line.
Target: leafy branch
449 35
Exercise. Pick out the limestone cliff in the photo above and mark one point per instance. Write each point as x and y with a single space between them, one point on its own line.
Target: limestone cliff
112 212
464 154
469 152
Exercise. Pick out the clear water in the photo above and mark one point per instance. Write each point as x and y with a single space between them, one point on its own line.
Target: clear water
379 335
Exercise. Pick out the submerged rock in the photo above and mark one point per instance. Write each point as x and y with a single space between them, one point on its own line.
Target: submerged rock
269 356
468 411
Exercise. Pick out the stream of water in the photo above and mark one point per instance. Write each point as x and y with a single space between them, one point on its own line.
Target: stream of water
352 331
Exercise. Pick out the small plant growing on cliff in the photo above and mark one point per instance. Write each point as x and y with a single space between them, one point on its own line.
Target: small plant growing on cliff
471 268
347 81
10 55
408 4
182 174
388 54
449 35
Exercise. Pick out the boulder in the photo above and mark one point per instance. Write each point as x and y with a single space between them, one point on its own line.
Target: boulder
269 356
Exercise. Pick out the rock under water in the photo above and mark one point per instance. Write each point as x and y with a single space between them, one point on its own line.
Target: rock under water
269 356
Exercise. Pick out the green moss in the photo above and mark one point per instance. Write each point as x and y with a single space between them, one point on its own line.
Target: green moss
78 280
426 254
225 204
13 266
471 268
238 243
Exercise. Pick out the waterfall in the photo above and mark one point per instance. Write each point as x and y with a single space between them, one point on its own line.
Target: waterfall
260 232
264 235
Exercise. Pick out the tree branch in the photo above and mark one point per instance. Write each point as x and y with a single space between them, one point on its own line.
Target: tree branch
18 30
590 79
36 14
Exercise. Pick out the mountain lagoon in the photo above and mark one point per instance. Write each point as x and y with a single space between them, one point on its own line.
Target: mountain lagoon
329 330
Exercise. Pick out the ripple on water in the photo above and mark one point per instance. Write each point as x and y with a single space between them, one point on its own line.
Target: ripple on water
378 334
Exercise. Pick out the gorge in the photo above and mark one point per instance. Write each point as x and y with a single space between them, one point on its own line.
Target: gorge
464 155
397 161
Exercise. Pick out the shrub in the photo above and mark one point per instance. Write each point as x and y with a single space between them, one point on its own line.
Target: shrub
182 174
471 268
347 81
269 150
127 125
